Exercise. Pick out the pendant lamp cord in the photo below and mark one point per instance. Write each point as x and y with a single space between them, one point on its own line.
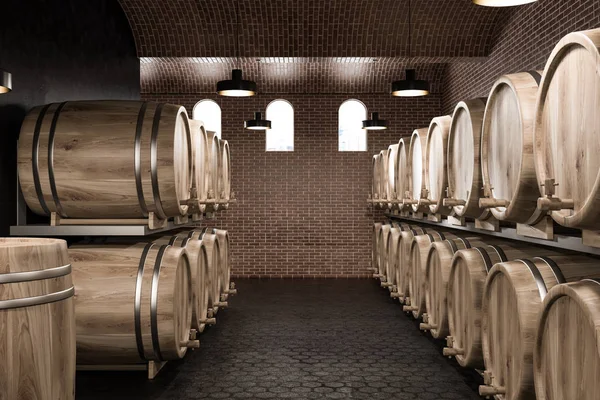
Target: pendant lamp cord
409 32
237 32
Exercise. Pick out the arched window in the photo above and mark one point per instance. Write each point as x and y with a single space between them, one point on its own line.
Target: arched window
208 112
351 136
281 135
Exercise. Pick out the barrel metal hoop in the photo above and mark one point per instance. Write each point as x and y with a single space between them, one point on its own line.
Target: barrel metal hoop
442 237
51 134
486 258
560 278
595 280
154 302
452 246
172 240
137 310
28 276
191 234
154 161
537 276
536 76
500 252
466 243
137 158
35 151
185 242
430 236
37 300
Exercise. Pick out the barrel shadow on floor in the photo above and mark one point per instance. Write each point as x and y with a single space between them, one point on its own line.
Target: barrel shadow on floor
301 339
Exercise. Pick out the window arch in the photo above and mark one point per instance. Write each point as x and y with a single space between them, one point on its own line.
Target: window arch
351 136
281 135
209 112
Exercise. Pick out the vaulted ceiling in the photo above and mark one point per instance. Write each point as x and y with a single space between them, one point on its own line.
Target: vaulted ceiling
303 36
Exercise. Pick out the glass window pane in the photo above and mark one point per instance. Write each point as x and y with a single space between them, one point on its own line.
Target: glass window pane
281 135
208 112
351 136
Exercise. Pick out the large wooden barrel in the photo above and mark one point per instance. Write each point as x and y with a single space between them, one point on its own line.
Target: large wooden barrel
507 166
512 303
437 273
37 321
106 159
567 127
224 183
392 169
200 156
383 251
402 172
464 166
224 258
567 350
199 272
213 170
132 303
375 247
213 250
436 164
376 184
419 249
403 266
392 257
417 178
468 272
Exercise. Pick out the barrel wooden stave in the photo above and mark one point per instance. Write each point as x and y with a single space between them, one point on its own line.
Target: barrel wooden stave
375 246
376 164
200 157
37 342
392 169
436 174
213 168
417 161
507 147
403 268
468 274
567 351
106 280
511 307
224 182
567 126
93 159
464 164
402 173
384 189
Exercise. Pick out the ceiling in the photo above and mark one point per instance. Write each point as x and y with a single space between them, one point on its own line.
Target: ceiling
305 45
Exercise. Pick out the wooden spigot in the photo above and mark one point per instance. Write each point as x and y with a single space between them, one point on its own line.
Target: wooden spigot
222 304
487 378
231 291
450 202
190 344
488 391
394 295
385 284
426 318
232 285
233 196
427 327
209 321
223 297
210 313
409 308
394 288
193 334
551 203
409 202
452 352
493 203
377 276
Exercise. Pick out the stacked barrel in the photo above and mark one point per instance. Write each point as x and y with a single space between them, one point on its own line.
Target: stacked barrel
529 316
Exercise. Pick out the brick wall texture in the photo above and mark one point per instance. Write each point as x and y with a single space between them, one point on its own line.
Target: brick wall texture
304 214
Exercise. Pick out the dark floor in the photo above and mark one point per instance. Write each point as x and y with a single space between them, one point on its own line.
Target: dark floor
301 339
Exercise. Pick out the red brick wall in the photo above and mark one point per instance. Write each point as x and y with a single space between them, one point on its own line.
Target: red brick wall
304 213
523 42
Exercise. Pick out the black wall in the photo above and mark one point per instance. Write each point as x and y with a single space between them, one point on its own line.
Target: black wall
59 50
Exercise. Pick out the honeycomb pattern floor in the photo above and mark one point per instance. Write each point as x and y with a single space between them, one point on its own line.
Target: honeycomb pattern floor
301 339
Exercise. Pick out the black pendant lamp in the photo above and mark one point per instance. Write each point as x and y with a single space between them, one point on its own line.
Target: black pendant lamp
374 124
502 3
236 86
257 124
410 86
5 82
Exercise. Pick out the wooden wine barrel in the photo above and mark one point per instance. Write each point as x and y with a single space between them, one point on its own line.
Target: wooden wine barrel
567 350
392 169
419 248
403 266
392 249
437 273
468 273
566 141
402 172
375 247
512 303
464 166
508 171
417 178
201 157
213 170
436 173
376 178
37 321
383 251
224 258
224 182
213 250
132 302
106 159
384 190
198 259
